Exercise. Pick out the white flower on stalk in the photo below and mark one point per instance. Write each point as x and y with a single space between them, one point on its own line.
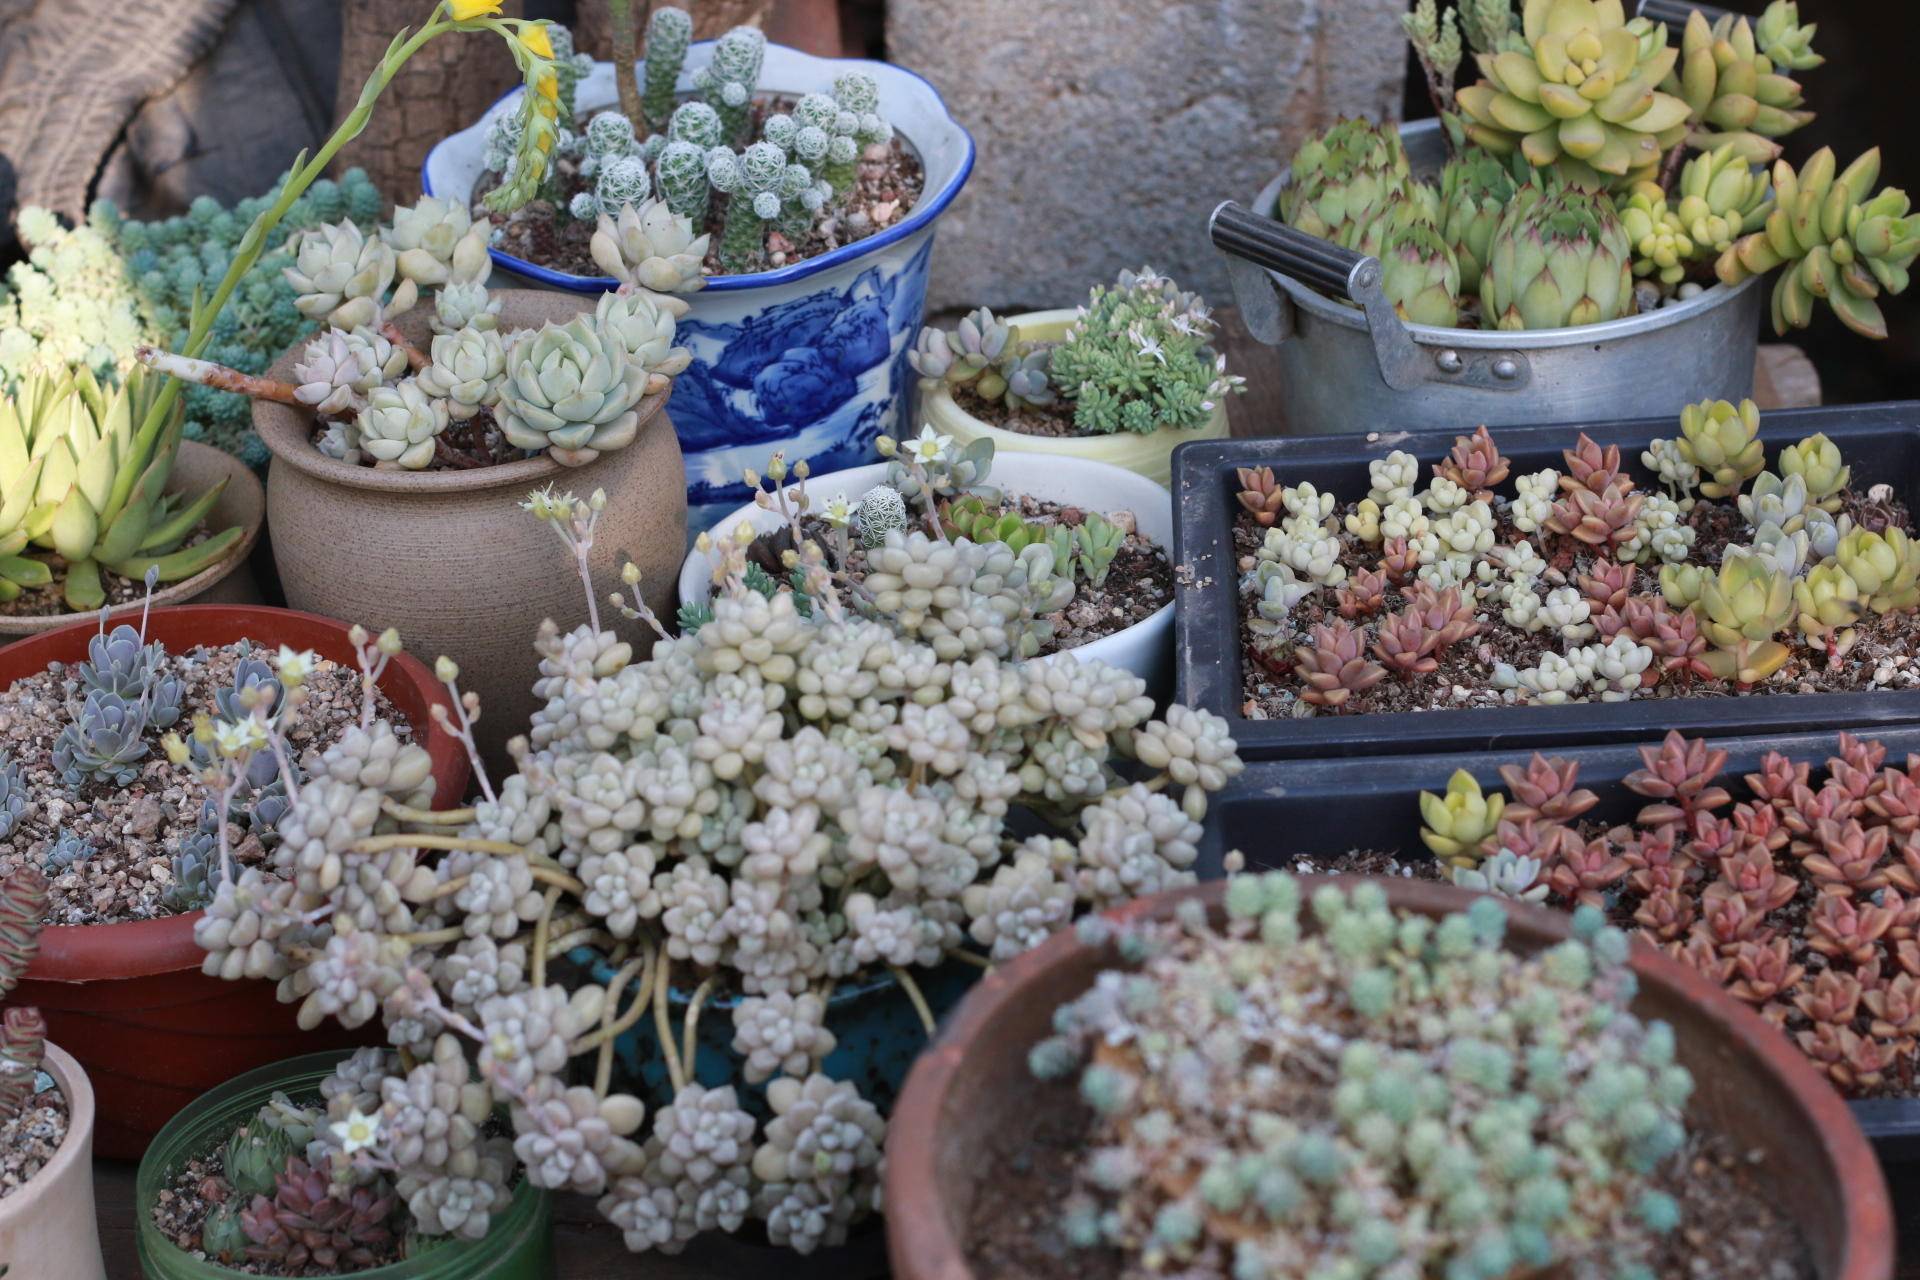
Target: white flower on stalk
237 737
929 446
1149 346
357 1132
838 511
294 666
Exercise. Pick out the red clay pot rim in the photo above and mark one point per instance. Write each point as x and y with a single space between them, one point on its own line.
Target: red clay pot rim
912 1133
143 948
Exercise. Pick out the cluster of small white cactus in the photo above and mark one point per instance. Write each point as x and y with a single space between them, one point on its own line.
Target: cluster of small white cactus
768 807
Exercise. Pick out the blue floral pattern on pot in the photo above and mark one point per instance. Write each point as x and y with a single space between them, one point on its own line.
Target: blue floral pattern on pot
818 376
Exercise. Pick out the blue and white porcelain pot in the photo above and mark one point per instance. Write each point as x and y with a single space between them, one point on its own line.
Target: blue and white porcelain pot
810 358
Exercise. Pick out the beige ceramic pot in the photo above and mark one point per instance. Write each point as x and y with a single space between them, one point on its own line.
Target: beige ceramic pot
48 1229
450 559
197 468
1149 455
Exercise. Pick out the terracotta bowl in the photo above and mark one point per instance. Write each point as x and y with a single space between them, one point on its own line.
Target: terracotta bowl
973 1086
129 1000
449 558
197 468
48 1227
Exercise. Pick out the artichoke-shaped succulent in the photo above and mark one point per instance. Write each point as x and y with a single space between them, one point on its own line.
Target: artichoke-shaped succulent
342 276
1733 94
1415 205
1722 198
1558 258
1662 247
1845 244
1741 610
571 391
1724 442
338 370
1341 181
1474 191
401 423
467 370
1580 91
642 323
1885 566
1817 461
437 241
79 476
649 246
1421 277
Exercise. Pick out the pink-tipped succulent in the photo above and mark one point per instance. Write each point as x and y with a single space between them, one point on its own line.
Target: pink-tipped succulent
1406 643
1607 585
1335 667
1363 595
1678 647
1679 773
23 1032
1475 464
306 1224
1259 494
1545 789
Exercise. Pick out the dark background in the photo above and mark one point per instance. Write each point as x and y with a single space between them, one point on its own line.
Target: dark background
1863 95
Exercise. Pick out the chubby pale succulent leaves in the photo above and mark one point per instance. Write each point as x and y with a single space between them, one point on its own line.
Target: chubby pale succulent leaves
650 246
571 390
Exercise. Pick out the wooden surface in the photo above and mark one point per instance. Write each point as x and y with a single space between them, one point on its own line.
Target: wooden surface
588 1249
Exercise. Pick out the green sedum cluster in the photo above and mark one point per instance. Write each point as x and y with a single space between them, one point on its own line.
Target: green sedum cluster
85 297
1331 1087
1138 358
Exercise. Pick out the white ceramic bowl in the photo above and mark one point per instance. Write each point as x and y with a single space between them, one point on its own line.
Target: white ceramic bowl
1145 648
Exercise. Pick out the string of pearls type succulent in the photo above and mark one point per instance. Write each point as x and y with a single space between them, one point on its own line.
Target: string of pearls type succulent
769 808
571 390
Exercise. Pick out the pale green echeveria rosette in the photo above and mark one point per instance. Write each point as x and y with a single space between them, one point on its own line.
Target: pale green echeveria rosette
642 323
341 276
337 371
466 371
400 424
437 242
571 391
649 246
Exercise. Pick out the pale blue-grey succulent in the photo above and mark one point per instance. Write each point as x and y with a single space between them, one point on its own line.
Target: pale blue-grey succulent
197 874
68 848
13 796
104 742
250 675
121 661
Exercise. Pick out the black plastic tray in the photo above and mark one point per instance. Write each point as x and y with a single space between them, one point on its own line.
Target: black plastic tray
1881 442
1329 805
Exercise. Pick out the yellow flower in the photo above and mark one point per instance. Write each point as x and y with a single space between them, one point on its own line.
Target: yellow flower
547 85
535 40
467 10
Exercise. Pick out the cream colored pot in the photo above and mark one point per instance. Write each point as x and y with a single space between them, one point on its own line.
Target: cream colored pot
48 1229
450 559
197 468
1149 455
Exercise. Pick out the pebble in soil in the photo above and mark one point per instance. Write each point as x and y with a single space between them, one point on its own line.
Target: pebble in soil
1886 654
28 1140
135 830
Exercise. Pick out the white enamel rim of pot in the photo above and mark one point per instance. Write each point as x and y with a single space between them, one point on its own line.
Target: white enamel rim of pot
1325 308
907 99
1092 486
1150 455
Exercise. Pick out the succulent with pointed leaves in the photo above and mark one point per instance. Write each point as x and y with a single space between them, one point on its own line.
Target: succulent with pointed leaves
1545 790
437 242
82 476
1475 464
1095 543
1839 240
1363 595
104 742
1341 181
1405 643
1724 443
1742 609
1679 775
341 276
1721 198
1459 823
1475 189
67 849
1735 97
1334 666
1420 276
1673 634
308 1222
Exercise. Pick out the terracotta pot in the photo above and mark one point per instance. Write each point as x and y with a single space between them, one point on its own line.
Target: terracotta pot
129 1000
1150 455
198 467
1750 1083
449 558
48 1229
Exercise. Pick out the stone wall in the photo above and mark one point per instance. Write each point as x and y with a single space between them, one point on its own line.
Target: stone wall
1109 129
